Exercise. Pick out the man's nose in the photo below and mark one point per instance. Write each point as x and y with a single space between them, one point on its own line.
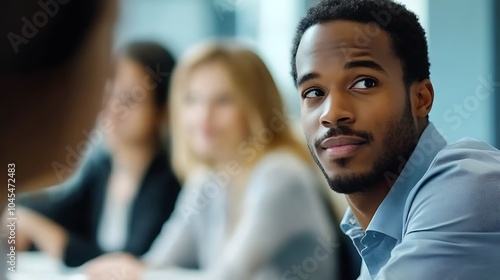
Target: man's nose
337 109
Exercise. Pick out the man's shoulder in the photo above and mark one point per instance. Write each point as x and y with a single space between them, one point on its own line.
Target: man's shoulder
461 185
468 157
471 147
467 164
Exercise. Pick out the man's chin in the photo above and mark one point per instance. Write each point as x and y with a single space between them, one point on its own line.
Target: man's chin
342 167
352 182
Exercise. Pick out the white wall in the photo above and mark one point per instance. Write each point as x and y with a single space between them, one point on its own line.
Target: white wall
178 24
461 54
270 27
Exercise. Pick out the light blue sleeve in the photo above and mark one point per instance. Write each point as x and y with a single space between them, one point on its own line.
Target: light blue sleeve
452 226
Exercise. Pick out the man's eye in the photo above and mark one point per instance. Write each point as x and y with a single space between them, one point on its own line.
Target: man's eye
365 83
313 93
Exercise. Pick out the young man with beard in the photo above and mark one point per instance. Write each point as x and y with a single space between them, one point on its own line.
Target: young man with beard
419 208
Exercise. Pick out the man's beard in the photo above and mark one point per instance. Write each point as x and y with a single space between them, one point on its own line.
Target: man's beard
399 142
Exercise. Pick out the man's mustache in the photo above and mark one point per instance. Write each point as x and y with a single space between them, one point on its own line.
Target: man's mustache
344 131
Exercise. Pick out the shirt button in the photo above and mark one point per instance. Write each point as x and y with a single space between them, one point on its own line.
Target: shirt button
352 221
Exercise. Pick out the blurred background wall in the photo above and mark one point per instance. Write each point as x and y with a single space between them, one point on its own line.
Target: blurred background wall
496 60
463 41
462 67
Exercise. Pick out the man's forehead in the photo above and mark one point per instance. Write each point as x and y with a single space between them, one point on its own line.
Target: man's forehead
345 39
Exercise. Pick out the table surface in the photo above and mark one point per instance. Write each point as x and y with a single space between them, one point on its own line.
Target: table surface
37 266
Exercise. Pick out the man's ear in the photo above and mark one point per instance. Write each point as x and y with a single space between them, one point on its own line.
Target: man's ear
422 98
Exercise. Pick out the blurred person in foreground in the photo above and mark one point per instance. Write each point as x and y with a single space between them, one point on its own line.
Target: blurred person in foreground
54 60
52 75
125 191
251 207
419 208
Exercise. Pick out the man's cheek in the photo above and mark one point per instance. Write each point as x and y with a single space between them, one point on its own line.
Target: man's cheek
309 131
305 122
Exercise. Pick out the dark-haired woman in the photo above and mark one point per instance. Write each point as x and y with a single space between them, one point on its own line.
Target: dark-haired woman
125 190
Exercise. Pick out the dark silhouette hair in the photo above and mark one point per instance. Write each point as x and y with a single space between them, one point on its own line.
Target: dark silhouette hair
37 36
158 62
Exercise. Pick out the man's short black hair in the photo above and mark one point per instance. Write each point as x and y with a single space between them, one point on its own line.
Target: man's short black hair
408 37
38 35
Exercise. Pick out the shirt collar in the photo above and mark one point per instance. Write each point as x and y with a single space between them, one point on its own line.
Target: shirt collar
388 218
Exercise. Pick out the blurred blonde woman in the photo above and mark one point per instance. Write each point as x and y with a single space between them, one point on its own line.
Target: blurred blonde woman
251 207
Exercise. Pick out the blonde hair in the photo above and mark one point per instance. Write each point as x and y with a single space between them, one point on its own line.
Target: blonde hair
259 92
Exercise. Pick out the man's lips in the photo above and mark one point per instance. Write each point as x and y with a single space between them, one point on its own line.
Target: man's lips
342 146
341 141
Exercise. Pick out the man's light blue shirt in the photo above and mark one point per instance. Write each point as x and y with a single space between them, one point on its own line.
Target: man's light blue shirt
440 220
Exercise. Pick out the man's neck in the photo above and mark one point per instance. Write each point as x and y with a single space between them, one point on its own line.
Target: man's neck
365 204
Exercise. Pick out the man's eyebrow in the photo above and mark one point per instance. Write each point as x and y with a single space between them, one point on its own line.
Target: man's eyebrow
306 77
364 63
